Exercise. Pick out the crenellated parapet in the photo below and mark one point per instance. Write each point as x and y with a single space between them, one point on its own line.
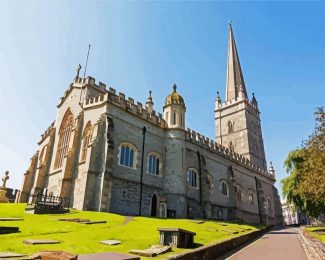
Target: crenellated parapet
120 100
214 147
135 108
47 132
227 103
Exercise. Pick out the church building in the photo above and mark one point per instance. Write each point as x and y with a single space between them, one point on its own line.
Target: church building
109 153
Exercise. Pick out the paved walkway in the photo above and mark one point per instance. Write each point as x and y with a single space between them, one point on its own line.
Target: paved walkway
278 244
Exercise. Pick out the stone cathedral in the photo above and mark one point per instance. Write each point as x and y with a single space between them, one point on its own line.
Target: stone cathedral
109 153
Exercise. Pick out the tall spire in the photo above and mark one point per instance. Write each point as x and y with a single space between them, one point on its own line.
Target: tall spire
235 86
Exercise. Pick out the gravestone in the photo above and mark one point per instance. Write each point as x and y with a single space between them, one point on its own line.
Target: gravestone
153 251
11 219
54 255
3 189
6 255
108 255
177 237
40 241
110 242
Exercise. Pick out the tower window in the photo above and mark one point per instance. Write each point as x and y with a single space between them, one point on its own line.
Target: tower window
154 163
224 188
182 120
230 127
192 178
174 118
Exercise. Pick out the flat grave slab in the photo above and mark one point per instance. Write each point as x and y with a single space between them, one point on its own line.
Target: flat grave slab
8 230
5 255
110 242
94 222
198 221
11 219
52 255
153 251
40 241
83 221
108 255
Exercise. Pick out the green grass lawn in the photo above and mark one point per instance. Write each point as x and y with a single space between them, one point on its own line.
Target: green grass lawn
314 234
139 233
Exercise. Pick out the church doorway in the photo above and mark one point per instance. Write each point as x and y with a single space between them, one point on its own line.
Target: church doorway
154 200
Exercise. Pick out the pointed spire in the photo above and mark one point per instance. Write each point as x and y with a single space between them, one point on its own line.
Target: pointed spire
235 85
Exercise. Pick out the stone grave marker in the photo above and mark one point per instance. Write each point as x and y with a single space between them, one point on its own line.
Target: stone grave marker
40 241
110 242
177 237
5 255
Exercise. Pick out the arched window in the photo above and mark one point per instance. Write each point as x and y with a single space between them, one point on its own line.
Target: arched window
192 177
154 164
85 141
182 119
64 138
127 155
224 188
174 118
230 127
250 196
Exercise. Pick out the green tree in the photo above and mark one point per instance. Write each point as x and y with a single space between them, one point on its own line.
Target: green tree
304 188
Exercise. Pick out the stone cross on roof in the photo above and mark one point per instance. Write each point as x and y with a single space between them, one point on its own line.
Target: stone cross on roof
4 179
78 70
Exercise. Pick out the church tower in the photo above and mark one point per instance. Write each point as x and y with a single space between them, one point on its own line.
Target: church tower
237 119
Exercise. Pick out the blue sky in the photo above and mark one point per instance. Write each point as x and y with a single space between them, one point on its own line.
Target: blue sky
137 46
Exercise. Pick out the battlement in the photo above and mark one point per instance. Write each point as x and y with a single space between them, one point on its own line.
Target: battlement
81 82
235 101
47 132
120 100
135 108
212 146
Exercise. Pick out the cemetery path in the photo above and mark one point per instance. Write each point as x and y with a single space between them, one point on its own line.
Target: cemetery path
127 220
279 243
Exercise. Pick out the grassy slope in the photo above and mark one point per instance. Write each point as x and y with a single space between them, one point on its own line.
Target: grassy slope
320 237
139 233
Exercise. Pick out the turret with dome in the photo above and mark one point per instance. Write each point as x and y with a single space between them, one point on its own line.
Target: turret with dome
174 110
